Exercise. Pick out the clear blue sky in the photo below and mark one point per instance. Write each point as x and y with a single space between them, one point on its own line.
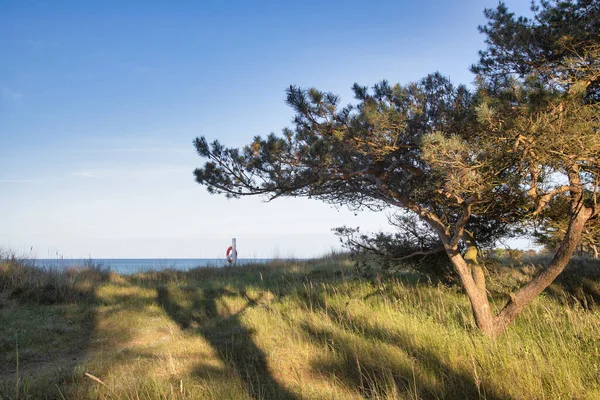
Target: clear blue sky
100 102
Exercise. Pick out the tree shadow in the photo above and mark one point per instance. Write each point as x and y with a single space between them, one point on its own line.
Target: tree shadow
49 321
358 369
228 335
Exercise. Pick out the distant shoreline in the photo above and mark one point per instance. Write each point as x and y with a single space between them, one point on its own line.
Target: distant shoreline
134 265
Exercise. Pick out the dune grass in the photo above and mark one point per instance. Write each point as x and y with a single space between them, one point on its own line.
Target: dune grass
287 330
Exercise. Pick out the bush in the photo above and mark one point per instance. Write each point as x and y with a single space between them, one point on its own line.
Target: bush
391 254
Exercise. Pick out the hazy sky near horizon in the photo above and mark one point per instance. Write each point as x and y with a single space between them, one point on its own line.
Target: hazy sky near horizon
100 102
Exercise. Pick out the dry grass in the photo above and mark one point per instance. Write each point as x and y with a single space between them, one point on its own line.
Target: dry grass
286 331
21 278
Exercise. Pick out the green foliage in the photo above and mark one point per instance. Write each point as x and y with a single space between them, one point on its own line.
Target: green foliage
541 45
413 247
540 81
339 154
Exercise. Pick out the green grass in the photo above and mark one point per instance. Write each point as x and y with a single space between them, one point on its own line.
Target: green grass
288 330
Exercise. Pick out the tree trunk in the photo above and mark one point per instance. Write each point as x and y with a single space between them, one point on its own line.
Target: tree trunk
473 281
527 293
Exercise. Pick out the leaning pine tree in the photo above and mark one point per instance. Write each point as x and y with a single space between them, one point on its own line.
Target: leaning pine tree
451 158
410 147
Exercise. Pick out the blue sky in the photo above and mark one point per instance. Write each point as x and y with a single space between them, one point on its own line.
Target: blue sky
100 102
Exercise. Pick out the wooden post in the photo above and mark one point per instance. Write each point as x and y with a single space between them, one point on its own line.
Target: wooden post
233 252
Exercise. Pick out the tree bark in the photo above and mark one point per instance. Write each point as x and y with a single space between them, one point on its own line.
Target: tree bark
473 281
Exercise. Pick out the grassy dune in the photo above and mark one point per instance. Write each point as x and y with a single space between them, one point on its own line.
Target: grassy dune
282 331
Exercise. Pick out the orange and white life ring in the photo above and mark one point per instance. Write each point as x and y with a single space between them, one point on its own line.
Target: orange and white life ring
229 254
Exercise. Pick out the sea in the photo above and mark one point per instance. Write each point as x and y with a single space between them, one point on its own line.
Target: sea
128 266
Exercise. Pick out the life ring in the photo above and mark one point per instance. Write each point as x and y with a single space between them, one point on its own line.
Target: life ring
229 254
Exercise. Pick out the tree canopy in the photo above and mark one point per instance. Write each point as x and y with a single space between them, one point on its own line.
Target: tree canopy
541 45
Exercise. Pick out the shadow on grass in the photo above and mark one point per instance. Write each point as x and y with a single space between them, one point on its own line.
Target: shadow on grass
423 374
229 337
578 283
358 369
49 314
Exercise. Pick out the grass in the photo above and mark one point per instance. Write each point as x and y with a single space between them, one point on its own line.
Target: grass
287 330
